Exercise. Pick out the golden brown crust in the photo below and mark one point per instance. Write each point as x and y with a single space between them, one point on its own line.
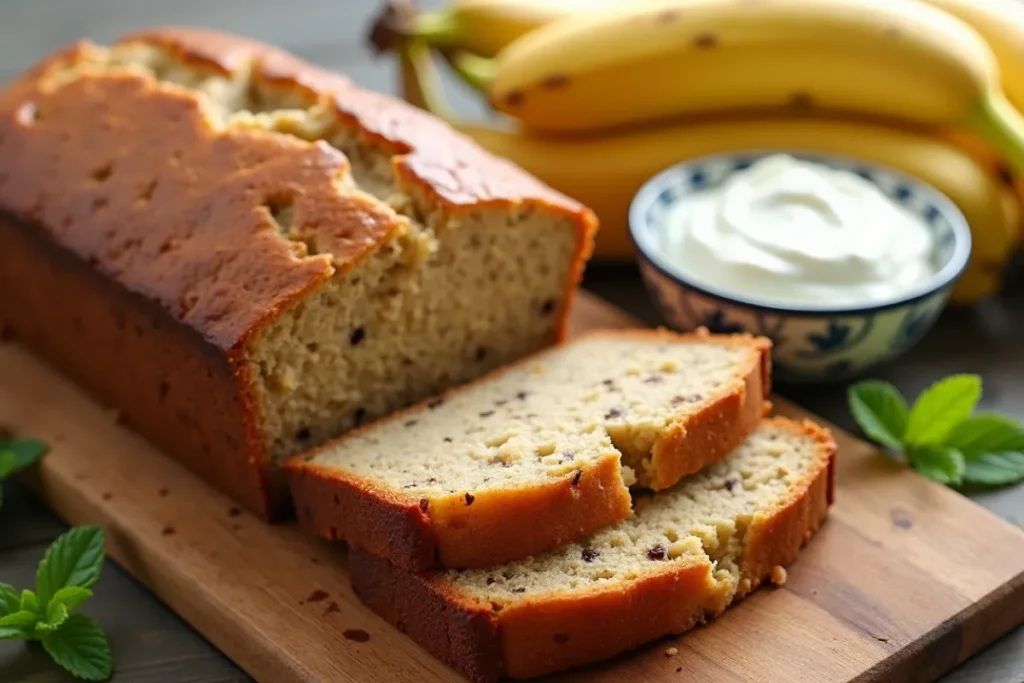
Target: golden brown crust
774 538
496 527
550 633
503 526
165 203
167 381
695 441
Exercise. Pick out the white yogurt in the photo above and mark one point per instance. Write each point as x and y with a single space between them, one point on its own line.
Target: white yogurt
789 231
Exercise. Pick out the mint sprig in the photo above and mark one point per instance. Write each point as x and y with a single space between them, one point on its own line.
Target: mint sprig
63 580
940 436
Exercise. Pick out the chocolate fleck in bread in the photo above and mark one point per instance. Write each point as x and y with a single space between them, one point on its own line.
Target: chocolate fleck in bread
247 255
538 454
684 556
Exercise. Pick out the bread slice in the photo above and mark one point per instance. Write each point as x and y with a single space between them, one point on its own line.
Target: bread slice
538 454
684 556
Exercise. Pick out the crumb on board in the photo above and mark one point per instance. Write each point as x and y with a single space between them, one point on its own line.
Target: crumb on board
671 651
779 575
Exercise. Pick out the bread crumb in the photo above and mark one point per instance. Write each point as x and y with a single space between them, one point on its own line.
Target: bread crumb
669 366
633 370
744 586
671 652
779 575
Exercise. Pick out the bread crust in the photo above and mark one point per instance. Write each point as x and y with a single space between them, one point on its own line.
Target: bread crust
157 200
505 526
497 527
549 633
692 442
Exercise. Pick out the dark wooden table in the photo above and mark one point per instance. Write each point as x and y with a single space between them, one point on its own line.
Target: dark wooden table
150 643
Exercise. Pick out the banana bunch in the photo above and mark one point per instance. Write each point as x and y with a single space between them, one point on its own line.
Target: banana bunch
599 95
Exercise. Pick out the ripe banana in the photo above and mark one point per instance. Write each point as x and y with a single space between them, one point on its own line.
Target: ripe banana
604 172
668 58
485 27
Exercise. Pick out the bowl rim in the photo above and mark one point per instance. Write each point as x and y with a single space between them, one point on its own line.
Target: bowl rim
943 279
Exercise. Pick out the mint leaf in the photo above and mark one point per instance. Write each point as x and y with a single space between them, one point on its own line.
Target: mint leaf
56 615
22 619
880 410
11 633
987 433
26 452
80 647
941 408
995 469
7 462
69 596
29 602
74 559
940 463
10 600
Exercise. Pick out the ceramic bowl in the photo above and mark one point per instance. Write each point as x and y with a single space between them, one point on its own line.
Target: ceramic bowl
812 344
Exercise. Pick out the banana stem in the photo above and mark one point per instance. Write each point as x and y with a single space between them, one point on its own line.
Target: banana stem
436 29
420 84
996 120
476 71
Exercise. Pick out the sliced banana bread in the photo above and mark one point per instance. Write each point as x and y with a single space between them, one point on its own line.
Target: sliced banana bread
684 556
537 454
246 255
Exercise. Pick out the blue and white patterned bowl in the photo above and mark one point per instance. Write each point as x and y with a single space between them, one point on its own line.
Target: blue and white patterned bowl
811 344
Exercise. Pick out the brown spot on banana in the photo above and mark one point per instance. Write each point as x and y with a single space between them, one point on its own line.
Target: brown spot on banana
555 81
893 32
667 16
515 98
801 100
1005 175
705 41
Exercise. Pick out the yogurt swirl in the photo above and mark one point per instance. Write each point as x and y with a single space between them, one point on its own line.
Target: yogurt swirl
789 231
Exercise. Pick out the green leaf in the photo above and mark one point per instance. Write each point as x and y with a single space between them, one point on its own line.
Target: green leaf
10 599
7 462
880 410
987 433
11 633
80 647
69 596
23 619
29 602
74 559
26 452
56 614
995 469
941 463
941 408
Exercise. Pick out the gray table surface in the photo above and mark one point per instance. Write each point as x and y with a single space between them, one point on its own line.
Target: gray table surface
150 643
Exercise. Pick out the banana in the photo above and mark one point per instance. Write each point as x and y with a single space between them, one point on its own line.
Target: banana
1000 23
604 172
485 27
655 60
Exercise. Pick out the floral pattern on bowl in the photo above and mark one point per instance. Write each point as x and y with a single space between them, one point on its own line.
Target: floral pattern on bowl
810 344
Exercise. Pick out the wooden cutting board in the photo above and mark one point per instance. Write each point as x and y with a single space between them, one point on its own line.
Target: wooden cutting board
906 579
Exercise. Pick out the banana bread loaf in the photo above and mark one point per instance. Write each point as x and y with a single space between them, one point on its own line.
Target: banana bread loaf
685 555
537 454
246 255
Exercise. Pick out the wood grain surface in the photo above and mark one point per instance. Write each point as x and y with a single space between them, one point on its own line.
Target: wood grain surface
906 579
